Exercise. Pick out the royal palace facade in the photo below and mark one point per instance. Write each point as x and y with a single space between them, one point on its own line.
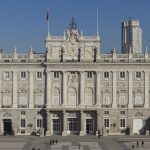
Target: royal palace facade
73 88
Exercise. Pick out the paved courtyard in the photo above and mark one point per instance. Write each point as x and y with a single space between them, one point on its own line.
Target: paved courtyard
72 143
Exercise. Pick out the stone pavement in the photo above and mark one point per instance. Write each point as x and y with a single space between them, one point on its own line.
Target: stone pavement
72 143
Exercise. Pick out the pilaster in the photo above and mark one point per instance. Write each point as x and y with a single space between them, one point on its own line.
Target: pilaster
82 123
48 89
0 92
64 88
64 132
82 88
31 104
14 89
130 90
146 104
114 104
98 88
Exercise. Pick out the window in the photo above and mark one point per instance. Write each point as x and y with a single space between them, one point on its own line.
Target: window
106 112
23 75
23 123
138 99
39 99
6 60
89 74
122 74
122 123
73 124
23 60
38 123
39 75
6 99
106 123
56 74
23 98
138 74
122 99
56 125
122 112
6 75
23 112
106 99
106 74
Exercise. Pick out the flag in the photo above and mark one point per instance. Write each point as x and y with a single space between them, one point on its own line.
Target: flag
47 16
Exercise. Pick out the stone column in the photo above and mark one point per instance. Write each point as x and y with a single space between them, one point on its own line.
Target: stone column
48 89
98 88
14 89
82 88
64 132
65 88
82 123
146 90
130 103
31 103
99 122
49 123
114 104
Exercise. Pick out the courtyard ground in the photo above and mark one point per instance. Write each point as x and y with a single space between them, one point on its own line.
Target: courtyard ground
72 142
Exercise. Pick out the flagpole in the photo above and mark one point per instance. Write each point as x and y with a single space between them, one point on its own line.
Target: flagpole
48 32
97 22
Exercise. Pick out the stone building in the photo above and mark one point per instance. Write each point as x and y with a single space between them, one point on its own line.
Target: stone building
73 88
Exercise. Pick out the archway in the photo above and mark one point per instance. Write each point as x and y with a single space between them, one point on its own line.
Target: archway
6 126
138 123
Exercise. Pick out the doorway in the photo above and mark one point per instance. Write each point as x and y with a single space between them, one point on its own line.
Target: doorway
89 126
7 126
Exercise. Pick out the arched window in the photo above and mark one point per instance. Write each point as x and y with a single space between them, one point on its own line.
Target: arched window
22 98
106 98
138 98
122 98
6 98
55 96
72 97
89 96
39 100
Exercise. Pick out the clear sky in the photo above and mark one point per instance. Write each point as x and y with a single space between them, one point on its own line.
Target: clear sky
23 22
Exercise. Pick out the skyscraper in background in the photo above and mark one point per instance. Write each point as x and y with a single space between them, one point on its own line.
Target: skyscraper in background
131 36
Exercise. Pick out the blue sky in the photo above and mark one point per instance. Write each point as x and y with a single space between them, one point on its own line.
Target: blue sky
23 22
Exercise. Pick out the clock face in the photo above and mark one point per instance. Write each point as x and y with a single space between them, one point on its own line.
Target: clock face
72 48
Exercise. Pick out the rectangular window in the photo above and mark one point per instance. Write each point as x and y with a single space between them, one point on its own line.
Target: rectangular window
56 74
138 74
23 112
56 125
23 75
6 75
122 123
122 74
106 123
122 112
39 123
23 123
39 75
106 75
89 74
106 112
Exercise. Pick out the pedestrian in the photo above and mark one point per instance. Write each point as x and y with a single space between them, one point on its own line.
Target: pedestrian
53 141
142 143
56 141
137 144
79 145
132 146
99 134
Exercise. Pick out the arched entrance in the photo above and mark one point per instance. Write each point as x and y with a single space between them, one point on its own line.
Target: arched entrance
6 126
138 123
